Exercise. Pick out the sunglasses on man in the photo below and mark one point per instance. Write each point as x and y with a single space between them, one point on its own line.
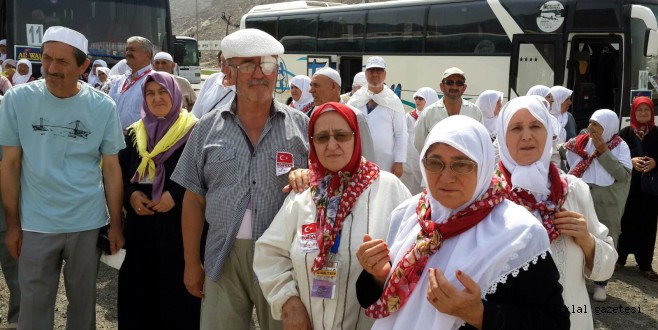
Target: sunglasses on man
459 83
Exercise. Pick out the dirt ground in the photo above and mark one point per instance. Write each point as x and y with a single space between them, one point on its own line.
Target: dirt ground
627 288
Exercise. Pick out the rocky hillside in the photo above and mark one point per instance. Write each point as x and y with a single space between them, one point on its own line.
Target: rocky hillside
213 18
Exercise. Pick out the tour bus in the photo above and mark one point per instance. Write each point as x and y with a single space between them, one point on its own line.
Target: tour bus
107 24
186 55
604 50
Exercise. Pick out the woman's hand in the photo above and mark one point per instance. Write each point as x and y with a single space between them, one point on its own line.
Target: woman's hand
140 203
599 144
298 180
643 164
574 224
373 257
165 203
465 304
294 315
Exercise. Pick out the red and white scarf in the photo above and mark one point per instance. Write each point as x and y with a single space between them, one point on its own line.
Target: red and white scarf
547 208
577 145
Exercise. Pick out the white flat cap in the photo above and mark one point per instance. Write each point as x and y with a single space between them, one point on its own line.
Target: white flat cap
3 42
67 36
450 71
329 72
250 43
375 62
359 79
163 56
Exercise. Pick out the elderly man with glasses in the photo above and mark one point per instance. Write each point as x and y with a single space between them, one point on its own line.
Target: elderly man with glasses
453 85
233 167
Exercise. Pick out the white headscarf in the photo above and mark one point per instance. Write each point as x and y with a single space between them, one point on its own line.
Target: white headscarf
120 69
596 173
487 103
560 94
93 78
6 62
304 84
506 241
19 78
428 94
539 90
533 177
461 133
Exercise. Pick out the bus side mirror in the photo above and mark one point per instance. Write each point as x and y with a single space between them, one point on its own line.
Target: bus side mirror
651 43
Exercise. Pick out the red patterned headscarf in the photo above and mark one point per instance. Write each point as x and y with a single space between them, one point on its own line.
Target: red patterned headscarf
639 129
334 193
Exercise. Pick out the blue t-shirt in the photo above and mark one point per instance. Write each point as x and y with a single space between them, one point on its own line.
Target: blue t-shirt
62 141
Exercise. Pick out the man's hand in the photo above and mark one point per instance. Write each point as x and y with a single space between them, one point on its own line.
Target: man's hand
397 169
298 180
193 278
294 315
14 240
116 239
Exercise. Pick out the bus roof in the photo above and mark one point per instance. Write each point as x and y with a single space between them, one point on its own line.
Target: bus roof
293 5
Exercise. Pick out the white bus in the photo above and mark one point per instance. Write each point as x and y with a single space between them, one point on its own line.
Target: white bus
601 49
186 55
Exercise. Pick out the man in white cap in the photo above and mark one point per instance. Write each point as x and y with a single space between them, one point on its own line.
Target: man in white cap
325 87
234 166
386 117
217 91
453 85
358 82
55 133
3 50
163 61
127 90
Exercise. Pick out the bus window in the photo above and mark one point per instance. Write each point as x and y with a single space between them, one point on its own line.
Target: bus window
297 33
600 14
341 32
396 30
465 28
267 24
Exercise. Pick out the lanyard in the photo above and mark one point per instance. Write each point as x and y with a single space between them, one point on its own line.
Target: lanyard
124 88
334 249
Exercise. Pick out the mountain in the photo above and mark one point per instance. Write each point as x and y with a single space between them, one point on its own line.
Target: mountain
213 16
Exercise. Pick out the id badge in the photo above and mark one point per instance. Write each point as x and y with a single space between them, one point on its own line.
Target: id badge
308 240
325 281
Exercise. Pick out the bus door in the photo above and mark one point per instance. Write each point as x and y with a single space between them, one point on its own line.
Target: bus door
536 59
594 73
348 67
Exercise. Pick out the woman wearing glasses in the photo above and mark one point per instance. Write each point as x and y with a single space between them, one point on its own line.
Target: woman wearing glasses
306 261
580 244
462 255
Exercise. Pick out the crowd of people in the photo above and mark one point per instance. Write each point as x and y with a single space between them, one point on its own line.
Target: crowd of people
337 211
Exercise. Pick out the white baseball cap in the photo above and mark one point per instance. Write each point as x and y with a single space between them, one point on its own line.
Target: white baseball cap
375 62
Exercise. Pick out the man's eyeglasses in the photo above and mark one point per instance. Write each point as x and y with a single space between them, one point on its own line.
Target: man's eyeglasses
435 165
418 98
323 138
459 83
249 67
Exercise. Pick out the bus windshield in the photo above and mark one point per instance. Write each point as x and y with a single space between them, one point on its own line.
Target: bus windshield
106 23
191 57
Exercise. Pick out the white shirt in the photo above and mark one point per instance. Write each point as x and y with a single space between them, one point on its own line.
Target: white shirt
437 112
211 93
129 103
388 129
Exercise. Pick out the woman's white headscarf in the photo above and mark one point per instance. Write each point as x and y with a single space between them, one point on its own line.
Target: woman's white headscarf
596 173
93 78
560 94
6 62
428 94
506 242
533 177
120 68
471 138
304 84
487 103
539 90
19 78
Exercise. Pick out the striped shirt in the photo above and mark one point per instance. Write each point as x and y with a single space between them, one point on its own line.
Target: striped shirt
220 164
